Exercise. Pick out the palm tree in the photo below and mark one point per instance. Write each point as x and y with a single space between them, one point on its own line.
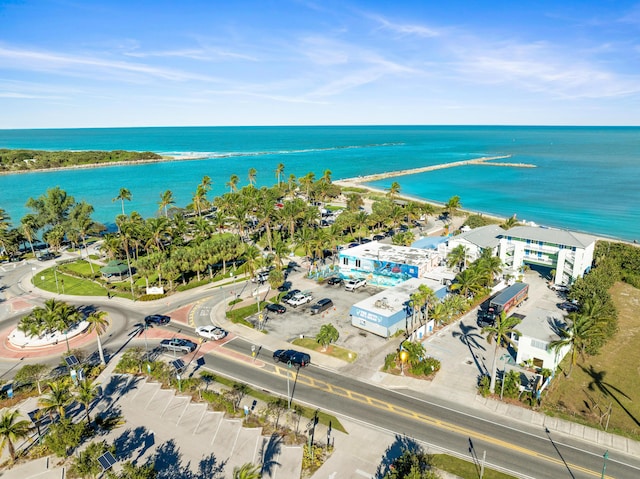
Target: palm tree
328 334
87 392
394 190
582 329
166 199
80 218
452 205
12 429
124 194
415 352
279 172
326 177
509 223
29 227
98 323
251 176
247 471
457 257
469 282
233 183
500 333
57 400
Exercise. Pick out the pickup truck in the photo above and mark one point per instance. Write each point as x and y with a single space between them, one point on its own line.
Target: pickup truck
300 299
354 284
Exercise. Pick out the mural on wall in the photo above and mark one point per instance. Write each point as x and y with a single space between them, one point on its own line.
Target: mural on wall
395 270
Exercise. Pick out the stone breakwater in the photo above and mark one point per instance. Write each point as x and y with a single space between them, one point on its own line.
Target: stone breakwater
485 160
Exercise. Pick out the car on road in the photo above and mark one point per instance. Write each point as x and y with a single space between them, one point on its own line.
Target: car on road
378 237
159 319
300 299
261 277
46 256
276 308
354 284
296 358
321 306
178 345
568 306
211 332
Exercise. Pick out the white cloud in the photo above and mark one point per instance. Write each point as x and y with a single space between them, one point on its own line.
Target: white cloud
405 28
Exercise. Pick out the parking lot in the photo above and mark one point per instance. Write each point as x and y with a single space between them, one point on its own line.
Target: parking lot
461 346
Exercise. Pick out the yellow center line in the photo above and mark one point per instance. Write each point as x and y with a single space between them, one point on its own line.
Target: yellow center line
379 404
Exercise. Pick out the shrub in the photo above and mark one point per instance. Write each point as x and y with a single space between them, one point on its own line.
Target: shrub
483 387
389 361
151 297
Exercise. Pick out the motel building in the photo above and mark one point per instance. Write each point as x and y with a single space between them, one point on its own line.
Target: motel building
568 253
390 311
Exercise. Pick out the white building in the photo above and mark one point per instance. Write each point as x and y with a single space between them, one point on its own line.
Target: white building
570 254
389 311
538 330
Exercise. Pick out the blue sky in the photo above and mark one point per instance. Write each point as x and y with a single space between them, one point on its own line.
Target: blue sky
82 63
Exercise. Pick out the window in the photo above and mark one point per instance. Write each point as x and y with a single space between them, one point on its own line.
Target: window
357 263
345 261
539 344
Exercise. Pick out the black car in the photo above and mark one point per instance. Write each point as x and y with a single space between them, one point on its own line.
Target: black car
568 306
46 256
334 280
286 286
321 306
157 319
276 308
378 237
296 358
290 294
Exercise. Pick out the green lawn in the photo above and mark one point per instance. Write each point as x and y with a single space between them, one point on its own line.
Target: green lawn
607 380
332 350
57 282
465 469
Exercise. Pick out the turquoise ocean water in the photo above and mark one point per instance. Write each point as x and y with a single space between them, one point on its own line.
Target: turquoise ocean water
586 178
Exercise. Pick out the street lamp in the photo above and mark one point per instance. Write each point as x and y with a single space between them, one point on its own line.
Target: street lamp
403 358
604 464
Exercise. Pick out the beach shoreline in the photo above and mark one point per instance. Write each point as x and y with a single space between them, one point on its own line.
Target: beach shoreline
88 166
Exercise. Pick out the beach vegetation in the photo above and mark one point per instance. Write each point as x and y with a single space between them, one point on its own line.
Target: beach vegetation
33 160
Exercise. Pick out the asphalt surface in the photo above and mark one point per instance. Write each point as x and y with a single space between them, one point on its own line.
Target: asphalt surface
428 412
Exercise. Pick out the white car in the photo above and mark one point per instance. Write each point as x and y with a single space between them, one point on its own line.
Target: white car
300 299
354 284
211 332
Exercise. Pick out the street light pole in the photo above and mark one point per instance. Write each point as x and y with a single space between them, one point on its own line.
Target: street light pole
604 464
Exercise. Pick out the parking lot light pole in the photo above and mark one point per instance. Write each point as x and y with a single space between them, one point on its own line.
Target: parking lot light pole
288 388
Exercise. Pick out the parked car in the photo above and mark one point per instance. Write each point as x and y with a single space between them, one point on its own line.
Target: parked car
211 332
290 295
335 280
300 299
321 306
46 256
560 288
296 358
276 308
179 345
354 284
286 286
158 319
568 306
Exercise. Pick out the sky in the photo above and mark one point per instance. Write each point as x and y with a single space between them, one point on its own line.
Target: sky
87 63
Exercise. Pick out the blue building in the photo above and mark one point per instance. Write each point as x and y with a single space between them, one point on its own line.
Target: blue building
389 311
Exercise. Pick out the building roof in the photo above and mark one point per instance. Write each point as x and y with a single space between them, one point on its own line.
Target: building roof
484 236
429 242
542 324
390 253
114 267
550 235
392 300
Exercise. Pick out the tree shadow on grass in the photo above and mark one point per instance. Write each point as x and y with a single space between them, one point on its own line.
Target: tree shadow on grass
394 451
598 383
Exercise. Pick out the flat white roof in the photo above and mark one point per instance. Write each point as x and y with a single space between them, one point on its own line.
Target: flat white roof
392 300
390 253
542 324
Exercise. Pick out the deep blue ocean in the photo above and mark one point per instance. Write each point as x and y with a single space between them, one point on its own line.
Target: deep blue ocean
587 178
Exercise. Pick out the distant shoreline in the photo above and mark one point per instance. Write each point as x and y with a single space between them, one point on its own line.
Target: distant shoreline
87 166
